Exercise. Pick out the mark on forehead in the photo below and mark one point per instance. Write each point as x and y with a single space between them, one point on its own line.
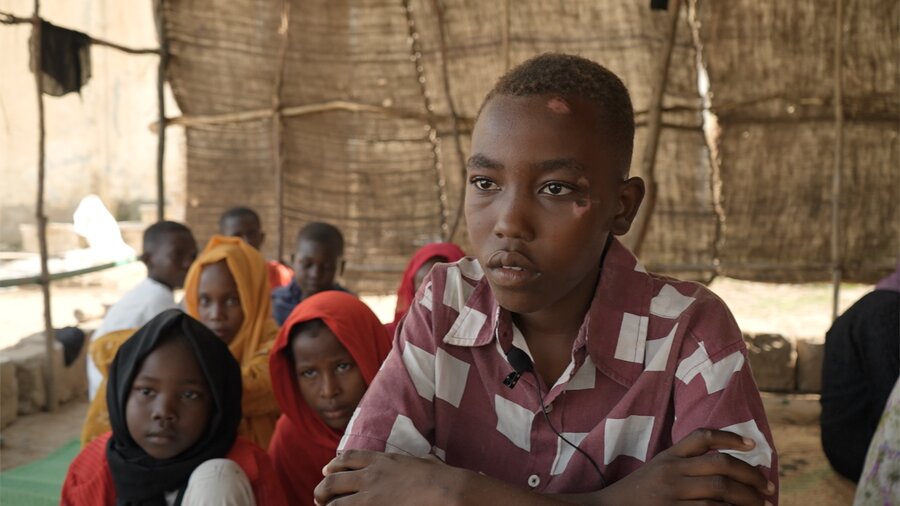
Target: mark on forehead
559 106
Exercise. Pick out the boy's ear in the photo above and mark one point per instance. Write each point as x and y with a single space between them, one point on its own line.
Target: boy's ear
631 194
341 268
262 238
145 258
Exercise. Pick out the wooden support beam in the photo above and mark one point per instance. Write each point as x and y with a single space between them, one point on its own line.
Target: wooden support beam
836 260
49 334
654 128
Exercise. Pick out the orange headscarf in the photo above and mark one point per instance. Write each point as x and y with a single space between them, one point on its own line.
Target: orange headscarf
248 267
303 443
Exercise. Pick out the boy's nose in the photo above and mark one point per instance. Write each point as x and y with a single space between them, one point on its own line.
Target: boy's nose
512 220
330 387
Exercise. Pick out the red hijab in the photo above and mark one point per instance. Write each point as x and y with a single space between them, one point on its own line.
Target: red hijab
446 251
303 443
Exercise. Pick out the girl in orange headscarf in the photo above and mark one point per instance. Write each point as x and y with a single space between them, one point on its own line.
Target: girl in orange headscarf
227 289
326 355
419 266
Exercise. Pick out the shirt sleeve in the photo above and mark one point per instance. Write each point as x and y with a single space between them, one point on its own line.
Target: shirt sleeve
714 387
397 414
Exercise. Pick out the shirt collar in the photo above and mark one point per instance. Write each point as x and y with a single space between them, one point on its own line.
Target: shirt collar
614 329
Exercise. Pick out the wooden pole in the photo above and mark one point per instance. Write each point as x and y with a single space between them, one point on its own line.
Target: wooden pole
416 58
507 17
277 134
457 143
836 267
161 108
654 128
49 334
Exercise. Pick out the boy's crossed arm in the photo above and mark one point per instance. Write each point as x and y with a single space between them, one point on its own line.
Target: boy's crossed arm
685 473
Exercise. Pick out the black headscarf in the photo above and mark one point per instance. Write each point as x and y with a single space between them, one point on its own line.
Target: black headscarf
139 478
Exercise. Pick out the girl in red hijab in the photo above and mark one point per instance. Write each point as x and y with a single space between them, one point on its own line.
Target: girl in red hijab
326 355
419 266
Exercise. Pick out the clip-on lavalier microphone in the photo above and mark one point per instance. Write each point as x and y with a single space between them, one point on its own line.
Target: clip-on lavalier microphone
520 363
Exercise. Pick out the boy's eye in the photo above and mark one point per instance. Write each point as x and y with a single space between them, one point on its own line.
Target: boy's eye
204 300
233 301
191 394
555 189
308 373
143 391
344 366
484 184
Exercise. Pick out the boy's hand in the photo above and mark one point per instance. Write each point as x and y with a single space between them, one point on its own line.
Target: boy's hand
687 472
362 477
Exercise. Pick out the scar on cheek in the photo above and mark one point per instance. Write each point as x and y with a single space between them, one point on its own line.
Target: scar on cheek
580 207
558 106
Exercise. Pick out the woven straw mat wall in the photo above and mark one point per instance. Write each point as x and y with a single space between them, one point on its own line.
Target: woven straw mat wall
771 68
392 179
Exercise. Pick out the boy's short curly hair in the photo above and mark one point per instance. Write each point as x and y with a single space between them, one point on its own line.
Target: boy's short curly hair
325 234
160 231
572 76
238 212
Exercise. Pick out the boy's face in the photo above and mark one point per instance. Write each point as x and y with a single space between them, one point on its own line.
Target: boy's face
541 200
328 378
315 266
244 227
219 303
169 404
170 259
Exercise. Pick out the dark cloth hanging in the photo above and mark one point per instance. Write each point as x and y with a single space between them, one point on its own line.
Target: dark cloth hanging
65 60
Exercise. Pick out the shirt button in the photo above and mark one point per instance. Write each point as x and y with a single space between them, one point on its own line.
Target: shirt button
534 480
548 408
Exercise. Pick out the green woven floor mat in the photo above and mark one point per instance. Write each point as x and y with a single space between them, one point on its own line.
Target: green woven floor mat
40 482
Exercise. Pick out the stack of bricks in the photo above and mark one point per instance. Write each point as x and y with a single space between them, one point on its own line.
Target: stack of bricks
780 365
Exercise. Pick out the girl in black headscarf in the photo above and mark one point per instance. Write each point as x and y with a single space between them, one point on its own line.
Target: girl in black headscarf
174 397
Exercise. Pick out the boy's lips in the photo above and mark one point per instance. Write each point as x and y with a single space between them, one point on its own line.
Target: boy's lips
511 269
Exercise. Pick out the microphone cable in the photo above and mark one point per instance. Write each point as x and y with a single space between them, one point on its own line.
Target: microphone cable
547 418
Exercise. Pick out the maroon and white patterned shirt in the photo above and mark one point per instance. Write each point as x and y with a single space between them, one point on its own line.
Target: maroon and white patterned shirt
655 358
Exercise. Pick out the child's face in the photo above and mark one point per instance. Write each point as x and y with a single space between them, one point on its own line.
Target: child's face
244 227
315 266
169 404
170 260
219 302
327 375
541 199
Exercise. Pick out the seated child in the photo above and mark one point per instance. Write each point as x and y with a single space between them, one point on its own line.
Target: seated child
243 222
861 365
228 291
318 259
175 404
169 249
326 354
418 267
626 380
